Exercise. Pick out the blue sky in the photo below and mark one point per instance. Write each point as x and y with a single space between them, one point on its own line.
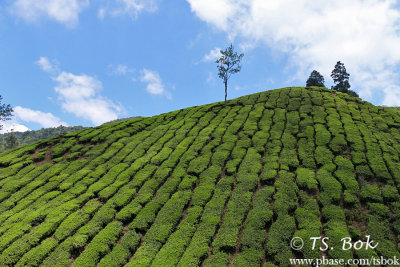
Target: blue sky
85 62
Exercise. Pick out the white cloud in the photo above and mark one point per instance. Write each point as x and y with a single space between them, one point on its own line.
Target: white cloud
121 70
46 65
63 11
213 55
155 85
127 7
215 12
210 77
44 119
79 95
12 126
101 13
363 34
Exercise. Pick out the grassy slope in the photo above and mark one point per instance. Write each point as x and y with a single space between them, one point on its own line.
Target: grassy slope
212 184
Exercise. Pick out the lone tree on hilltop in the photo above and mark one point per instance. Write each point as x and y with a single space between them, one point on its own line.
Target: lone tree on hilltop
228 64
5 112
340 78
315 79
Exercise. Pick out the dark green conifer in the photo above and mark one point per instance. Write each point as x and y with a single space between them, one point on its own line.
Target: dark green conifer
315 79
340 78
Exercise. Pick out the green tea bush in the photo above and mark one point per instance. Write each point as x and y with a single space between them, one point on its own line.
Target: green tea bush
173 249
288 159
390 193
100 245
204 190
288 140
306 179
333 212
35 256
228 234
286 193
379 230
370 192
323 155
322 135
378 209
199 243
336 229
268 175
251 163
254 233
306 153
350 198
331 188
280 233
75 220
161 156
319 115
345 174
259 140
338 143
364 171
358 157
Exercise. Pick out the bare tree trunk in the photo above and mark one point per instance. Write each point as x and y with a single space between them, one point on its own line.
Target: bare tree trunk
226 90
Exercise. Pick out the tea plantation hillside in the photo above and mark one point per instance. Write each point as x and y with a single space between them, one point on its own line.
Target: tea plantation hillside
212 185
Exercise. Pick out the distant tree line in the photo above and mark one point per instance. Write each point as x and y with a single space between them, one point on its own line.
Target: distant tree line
14 139
340 78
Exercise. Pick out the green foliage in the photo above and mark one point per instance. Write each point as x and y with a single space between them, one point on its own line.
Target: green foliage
370 192
280 234
340 78
10 141
331 188
286 193
121 252
315 79
323 155
211 185
228 233
5 111
228 64
306 179
100 245
322 135
390 193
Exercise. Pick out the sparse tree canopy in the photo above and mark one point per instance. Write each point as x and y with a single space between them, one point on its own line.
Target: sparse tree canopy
5 112
228 64
315 79
11 141
340 78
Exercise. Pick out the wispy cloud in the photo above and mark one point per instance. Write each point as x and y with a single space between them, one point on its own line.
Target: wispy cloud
131 8
47 65
213 55
362 34
121 70
62 11
154 83
210 77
